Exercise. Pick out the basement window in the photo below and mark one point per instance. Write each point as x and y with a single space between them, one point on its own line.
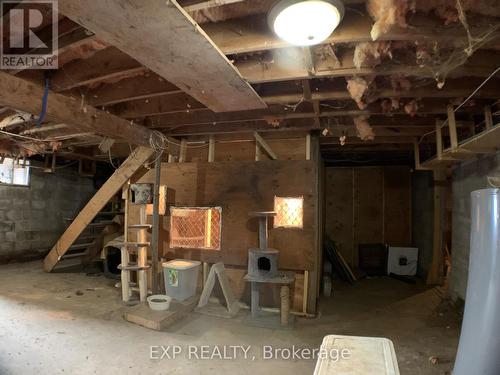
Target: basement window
289 212
195 227
14 172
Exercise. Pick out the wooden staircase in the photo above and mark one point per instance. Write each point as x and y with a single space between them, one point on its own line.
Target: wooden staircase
87 215
90 241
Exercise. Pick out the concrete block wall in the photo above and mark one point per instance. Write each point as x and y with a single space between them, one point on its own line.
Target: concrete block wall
467 177
32 218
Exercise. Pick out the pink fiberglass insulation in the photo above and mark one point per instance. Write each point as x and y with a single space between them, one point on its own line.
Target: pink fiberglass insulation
365 131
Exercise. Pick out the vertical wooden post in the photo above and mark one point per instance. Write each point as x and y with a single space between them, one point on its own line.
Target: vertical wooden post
433 276
211 149
183 151
416 153
155 285
439 140
488 118
285 304
452 124
257 151
125 259
308 146
306 291
142 258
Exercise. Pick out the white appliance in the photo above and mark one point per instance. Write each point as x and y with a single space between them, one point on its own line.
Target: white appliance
402 261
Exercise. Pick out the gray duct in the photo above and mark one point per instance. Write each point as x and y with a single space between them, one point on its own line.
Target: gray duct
479 348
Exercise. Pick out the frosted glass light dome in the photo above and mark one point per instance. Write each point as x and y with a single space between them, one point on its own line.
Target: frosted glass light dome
305 22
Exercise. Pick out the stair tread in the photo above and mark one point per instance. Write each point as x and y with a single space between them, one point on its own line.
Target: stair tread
74 255
81 246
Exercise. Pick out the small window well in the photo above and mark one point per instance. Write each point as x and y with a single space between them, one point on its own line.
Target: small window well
289 212
12 173
195 228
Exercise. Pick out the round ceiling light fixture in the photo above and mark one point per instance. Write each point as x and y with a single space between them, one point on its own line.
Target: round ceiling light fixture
305 22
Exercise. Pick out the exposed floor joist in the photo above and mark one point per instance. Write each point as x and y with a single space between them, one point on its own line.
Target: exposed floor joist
18 93
192 62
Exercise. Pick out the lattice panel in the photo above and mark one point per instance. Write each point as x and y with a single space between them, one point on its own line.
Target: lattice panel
195 228
289 212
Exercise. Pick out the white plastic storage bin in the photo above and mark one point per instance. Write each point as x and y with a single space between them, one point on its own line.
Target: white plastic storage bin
351 355
181 278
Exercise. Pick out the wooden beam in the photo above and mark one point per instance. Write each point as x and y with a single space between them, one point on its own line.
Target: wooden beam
256 70
265 146
138 157
192 61
281 113
251 34
18 93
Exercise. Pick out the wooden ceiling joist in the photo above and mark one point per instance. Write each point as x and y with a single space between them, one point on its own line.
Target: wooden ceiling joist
258 70
20 94
110 64
252 34
163 37
147 86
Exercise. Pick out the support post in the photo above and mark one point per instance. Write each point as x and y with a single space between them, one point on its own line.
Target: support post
183 151
433 276
439 140
452 124
488 118
156 229
285 304
142 258
125 259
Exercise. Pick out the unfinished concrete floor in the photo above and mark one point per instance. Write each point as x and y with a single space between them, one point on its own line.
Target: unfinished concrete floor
72 324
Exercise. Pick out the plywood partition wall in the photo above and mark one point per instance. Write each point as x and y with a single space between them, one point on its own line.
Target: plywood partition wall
240 187
367 205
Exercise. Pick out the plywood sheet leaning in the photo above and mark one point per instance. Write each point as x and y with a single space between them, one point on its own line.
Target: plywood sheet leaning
163 37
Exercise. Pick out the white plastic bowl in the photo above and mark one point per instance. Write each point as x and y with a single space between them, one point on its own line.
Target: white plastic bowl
159 302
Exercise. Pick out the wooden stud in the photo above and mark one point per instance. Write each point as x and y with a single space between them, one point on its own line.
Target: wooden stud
211 149
308 146
433 276
306 291
452 124
488 118
125 258
439 139
183 151
155 250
